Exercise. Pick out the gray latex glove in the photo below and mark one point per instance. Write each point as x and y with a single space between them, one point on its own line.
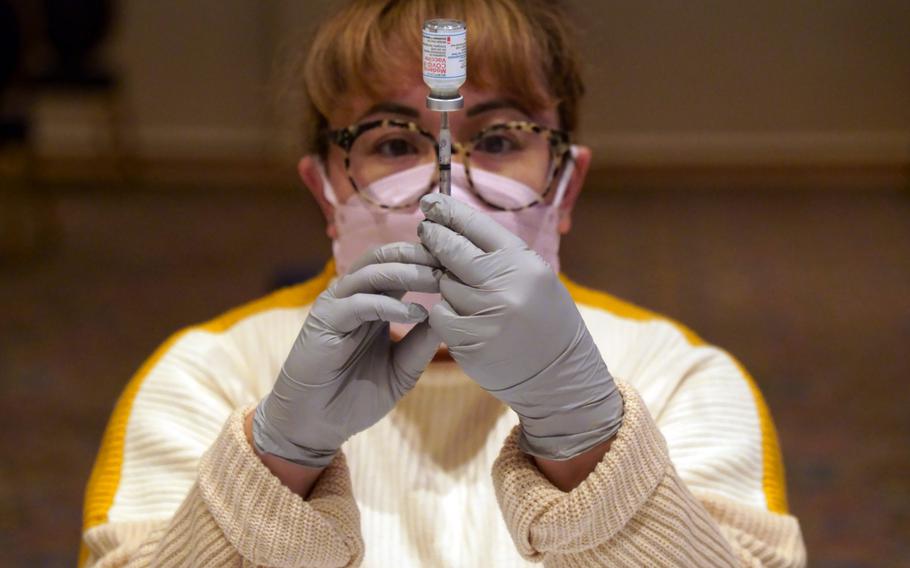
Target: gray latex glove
513 327
343 373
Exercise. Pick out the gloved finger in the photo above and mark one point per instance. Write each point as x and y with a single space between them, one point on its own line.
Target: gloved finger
408 253
464 299
389 277
411 355
480 229
454 329
347 314
454 251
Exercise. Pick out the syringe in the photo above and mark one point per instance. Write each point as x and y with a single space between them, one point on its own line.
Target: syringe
445 58
445 155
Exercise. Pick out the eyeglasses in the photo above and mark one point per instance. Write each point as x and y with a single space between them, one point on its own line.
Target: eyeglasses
509 166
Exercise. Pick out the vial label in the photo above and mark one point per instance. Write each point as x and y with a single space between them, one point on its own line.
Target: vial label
445 56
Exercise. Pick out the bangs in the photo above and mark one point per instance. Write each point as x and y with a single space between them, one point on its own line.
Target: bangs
519 47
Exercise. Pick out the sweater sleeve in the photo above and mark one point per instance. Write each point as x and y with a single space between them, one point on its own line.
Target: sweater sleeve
634 510
238 513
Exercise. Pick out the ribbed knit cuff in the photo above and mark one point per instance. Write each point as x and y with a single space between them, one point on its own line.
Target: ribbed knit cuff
266 522
541 518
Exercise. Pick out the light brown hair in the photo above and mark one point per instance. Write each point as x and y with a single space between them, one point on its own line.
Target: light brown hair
521 47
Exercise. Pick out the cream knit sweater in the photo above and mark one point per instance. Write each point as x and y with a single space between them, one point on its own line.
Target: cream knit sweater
693 477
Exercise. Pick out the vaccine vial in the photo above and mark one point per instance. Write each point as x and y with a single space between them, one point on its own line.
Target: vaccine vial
445 57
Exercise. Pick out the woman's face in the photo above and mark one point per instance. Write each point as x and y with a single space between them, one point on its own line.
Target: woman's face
408 103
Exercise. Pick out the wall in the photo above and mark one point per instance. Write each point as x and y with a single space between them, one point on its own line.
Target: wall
749 82
670 83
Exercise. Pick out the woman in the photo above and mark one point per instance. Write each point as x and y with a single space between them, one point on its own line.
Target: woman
325 426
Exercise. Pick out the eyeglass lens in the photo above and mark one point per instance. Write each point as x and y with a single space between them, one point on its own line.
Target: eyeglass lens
508 167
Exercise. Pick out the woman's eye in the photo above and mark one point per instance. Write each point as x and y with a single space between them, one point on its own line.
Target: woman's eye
495 144
395 148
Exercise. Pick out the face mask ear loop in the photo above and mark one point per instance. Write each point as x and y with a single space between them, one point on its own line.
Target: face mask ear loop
327 190
565 177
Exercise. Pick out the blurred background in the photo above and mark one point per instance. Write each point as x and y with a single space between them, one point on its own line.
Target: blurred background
751 179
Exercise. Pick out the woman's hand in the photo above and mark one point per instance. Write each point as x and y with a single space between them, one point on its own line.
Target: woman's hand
343 373
513 327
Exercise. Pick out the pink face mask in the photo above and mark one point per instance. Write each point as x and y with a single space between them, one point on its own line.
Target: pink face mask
361 226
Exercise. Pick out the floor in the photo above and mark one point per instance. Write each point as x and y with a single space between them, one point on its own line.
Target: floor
808 288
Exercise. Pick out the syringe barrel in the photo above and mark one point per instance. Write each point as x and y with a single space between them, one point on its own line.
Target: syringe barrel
445 155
